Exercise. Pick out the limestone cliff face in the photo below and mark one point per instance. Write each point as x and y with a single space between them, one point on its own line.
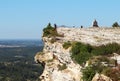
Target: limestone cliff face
57 62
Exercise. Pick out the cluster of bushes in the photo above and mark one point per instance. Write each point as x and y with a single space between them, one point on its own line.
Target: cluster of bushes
103 59
82 52
96 66
106 49
96 57
50 31
90 71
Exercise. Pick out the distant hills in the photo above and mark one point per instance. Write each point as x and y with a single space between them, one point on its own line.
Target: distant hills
20 43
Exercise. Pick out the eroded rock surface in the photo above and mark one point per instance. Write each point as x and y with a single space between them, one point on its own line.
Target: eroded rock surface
57 62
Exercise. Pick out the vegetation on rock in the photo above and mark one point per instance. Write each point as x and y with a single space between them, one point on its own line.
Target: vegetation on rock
88 73
115 24
66 45
82 52
100 65
50 31
98 59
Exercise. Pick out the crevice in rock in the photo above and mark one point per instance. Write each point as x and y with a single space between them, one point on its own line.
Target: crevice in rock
42 64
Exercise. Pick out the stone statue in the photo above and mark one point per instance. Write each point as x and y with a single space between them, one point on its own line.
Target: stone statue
55 26
95 24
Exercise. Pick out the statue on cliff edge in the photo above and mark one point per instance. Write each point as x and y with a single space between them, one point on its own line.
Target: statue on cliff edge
95 24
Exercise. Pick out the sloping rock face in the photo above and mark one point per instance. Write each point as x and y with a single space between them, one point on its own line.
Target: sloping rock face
57 62
92 36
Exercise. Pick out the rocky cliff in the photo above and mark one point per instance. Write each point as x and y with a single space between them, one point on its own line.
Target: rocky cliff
57 62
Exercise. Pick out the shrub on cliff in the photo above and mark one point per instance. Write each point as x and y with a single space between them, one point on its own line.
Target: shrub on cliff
88 73
82 52
50 31
115 25
106 49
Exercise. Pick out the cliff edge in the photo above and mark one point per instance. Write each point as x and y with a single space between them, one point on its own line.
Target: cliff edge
56 60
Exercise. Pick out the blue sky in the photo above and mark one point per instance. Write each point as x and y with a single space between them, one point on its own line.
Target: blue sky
25 19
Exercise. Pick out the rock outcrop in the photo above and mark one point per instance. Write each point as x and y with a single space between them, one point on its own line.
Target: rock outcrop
57 62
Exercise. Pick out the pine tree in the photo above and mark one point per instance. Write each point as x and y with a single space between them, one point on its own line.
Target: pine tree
115 24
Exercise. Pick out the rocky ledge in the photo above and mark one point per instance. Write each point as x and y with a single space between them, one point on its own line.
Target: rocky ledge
57 62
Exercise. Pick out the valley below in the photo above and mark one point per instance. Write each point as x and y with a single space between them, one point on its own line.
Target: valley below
17 60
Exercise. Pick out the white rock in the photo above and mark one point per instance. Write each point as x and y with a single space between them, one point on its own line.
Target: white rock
55 55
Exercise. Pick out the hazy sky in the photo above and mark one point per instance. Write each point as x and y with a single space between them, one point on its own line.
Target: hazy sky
25 19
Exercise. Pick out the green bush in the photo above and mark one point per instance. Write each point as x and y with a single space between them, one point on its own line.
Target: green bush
99 50
88 73
106 49
82 52
96 54
78 47
66 45
115 25
49 31
82 57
